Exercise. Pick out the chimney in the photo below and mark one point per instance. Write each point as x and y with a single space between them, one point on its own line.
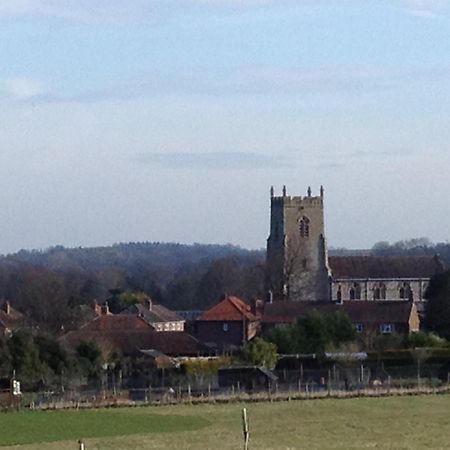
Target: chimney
257 307
105 309
149 303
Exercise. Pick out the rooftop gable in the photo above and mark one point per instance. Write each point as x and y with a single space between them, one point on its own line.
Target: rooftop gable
229 309
154 313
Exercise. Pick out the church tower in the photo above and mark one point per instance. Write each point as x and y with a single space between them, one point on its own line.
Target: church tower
297 262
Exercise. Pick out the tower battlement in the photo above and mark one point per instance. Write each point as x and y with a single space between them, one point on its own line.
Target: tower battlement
298 201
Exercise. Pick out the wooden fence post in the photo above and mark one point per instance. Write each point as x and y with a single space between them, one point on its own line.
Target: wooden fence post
245 428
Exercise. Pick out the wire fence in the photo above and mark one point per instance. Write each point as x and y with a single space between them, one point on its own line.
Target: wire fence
336 381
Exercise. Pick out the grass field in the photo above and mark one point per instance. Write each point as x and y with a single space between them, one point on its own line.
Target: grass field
383 423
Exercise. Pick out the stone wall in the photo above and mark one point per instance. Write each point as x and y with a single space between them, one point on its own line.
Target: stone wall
379 289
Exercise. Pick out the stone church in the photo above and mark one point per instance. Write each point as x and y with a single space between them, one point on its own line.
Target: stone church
299 268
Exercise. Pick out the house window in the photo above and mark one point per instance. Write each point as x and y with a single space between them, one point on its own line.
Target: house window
225 327
303 227
339 295
376 293
386 328
359 327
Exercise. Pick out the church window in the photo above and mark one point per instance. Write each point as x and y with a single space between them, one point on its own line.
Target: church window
225 327
405 292
355 292
379 292
303 227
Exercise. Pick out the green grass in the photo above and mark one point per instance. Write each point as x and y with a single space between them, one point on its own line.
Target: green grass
411 423
46 426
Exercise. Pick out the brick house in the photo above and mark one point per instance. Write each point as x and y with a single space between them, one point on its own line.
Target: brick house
158 316
227 325
129 334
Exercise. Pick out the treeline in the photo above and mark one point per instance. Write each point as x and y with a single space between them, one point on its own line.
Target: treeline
413 247
56 288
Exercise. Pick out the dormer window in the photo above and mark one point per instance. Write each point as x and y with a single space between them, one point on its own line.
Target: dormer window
303 227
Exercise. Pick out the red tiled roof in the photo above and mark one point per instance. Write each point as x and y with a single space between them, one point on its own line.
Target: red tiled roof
229 309
358 311
116 323
384 266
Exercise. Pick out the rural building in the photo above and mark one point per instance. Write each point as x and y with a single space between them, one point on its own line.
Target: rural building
129 334
158 316
227 325
368 317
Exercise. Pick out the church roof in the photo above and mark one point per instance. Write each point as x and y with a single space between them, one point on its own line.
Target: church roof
384 266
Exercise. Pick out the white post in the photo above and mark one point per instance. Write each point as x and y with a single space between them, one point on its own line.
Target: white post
245 428
82 447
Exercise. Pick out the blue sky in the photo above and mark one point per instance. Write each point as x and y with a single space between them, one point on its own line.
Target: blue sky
169 120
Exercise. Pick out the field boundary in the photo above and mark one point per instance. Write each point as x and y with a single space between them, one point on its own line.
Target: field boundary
108 401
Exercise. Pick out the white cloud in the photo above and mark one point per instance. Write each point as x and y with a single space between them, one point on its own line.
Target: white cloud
21 88
429 9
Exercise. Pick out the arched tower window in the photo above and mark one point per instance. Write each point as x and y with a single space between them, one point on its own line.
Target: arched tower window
303 227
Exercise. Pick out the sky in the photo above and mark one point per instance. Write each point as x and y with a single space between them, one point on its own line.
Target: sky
169 120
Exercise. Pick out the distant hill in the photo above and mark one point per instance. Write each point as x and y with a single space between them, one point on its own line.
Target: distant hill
167 256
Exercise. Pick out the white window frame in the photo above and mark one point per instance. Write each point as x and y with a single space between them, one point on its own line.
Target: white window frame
387 328
359 328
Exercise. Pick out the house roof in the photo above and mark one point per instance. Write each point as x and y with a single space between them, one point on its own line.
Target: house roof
155 313
358 311
131 342
229 309
384 266
118 322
